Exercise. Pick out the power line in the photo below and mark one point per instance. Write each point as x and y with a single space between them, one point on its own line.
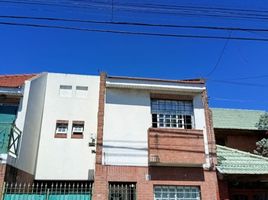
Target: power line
134 33
238 83
134 23
250 77
220 57
184 10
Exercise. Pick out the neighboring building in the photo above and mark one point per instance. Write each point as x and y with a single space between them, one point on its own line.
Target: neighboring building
13 94
59 130
154 141
241 174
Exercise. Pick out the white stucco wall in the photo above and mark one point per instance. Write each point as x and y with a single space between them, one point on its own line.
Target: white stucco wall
29 121
67 158
127 118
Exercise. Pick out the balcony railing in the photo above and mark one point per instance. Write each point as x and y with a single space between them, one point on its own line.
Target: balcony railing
9 138
176 147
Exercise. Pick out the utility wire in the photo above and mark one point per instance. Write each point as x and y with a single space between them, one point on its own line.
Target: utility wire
249 77
134 23
220 57
133 33
160 10
239 83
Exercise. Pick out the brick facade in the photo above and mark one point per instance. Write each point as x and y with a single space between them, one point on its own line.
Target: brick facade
171 176
147 177
176 146
15 175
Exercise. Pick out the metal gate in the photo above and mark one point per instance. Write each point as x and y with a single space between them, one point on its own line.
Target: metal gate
45 192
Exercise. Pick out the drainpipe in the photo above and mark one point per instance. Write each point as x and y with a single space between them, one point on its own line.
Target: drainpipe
207 165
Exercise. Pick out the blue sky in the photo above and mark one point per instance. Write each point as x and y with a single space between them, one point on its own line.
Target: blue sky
33 50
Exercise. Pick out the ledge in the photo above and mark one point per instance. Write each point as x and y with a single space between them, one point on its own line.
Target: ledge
60 135
197 132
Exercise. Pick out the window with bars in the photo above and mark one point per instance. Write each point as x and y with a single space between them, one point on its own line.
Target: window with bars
122 191
176 193
172 113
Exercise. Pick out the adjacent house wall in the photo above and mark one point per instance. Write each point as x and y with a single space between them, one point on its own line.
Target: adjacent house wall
68 158
32 105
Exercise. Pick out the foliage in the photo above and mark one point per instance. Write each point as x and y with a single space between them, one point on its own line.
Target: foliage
263 122
262 147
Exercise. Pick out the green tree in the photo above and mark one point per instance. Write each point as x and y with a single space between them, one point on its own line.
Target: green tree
263 122
262 145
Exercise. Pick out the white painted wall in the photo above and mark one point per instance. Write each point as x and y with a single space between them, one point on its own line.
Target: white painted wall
67 159
127 118
29 121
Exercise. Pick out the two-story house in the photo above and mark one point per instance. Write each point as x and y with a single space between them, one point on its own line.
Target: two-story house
242 175
59 129
154 137
154 140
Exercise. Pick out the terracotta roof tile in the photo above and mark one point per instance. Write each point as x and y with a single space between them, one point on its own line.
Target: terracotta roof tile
14 81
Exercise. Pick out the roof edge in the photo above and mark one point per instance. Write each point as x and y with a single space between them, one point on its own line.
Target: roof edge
242 152
188 81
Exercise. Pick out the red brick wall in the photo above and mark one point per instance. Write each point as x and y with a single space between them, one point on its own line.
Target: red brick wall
244 140
177 146
14 175
206 180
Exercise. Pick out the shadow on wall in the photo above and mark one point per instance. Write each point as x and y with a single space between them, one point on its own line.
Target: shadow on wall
176 174
127 97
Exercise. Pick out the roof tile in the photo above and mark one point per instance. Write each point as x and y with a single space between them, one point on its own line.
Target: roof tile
14 81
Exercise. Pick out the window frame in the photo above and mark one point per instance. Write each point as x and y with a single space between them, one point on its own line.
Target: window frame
179 191
166 113
59 134
78 135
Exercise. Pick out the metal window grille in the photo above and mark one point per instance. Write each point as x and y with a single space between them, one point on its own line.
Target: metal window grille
122 191
54 191
172 114
176 193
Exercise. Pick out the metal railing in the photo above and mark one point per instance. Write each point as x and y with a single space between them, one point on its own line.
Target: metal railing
122 191
9 138
40 191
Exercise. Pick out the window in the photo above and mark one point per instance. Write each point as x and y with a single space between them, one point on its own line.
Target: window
77 129
172 114
61 129
81 91
176 193
122 191
65 90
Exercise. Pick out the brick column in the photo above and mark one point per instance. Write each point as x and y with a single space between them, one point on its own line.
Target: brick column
100 189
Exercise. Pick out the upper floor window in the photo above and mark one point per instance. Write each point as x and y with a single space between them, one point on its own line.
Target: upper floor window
66 90
172 113
81 91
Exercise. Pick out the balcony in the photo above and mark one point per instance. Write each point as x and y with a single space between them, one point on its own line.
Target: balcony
9 138
176 147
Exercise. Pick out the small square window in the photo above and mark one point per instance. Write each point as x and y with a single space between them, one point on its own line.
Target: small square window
81 91
78 129
66 90
61 129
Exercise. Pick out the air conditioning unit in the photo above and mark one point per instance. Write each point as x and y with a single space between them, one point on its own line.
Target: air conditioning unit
62 130
154 158
78 129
